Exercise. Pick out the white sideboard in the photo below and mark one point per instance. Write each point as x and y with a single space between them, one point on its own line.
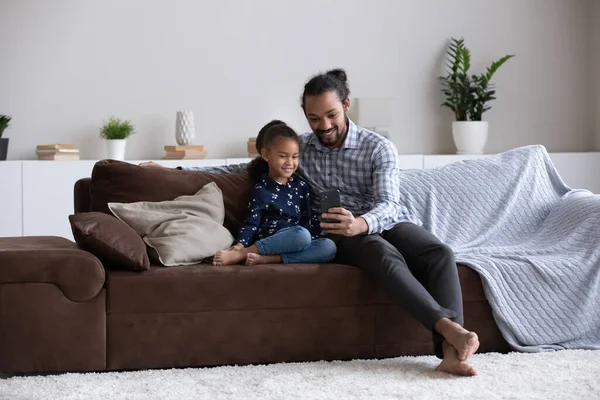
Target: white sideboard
37 196
11 198
578 170
47 194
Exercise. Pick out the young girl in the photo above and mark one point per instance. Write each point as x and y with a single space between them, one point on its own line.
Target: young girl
279 227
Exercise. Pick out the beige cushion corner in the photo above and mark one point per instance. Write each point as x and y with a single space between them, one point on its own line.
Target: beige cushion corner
182 231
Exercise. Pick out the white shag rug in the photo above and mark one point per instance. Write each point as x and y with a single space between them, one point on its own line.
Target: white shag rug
568 374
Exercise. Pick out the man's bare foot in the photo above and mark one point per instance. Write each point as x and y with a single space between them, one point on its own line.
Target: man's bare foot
466 343
452 365
228 257
257 259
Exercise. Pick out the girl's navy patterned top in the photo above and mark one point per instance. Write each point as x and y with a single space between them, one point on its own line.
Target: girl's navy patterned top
274 206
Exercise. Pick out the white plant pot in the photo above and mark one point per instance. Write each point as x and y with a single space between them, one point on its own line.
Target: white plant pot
115 149
470 136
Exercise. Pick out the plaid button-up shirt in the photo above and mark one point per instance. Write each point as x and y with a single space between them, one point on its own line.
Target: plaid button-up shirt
365 170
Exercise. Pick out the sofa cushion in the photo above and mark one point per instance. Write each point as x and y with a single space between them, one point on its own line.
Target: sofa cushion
182 231
112 241
122 182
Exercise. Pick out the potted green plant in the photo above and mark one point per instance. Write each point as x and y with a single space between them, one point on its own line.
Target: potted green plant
4 123
468 97
116 133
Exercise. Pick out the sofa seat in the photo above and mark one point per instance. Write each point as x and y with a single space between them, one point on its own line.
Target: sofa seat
205 315
203 288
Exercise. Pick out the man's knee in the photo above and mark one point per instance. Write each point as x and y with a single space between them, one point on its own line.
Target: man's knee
445 250
358 245
439 253
368 252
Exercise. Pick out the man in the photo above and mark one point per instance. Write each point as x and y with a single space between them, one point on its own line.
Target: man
375 232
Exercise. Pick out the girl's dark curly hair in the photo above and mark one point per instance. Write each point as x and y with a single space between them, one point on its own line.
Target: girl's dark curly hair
266 136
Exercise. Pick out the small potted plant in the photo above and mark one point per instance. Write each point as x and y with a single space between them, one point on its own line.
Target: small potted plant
468 97
116 133
4 123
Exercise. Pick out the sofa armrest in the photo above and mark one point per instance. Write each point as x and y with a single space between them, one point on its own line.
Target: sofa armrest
47 259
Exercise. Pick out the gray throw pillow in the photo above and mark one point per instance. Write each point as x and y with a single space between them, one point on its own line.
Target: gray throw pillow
182 231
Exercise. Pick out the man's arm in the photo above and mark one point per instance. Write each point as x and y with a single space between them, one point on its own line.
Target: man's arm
386 195
386 191
221 169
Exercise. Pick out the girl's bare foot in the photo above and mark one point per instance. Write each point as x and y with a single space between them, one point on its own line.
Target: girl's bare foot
452 365
228 257
257 259
466 343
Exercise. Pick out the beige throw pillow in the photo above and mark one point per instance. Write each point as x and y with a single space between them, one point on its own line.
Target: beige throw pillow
182 231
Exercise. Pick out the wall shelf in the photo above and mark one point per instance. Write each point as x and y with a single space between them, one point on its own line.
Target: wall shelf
37 196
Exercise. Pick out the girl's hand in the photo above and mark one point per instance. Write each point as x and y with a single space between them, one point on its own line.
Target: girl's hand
237 246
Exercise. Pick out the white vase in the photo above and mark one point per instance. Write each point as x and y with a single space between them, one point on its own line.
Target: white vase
115 149
470 136
184 128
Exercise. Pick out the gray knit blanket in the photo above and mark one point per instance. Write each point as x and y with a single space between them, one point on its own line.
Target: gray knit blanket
534 241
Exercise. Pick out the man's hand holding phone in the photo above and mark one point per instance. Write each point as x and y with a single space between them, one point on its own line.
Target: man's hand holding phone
336 219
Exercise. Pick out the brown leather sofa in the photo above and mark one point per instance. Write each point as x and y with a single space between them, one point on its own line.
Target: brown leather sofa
63 309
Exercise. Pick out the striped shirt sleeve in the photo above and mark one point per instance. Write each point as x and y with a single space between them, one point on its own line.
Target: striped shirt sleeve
386 192
222 169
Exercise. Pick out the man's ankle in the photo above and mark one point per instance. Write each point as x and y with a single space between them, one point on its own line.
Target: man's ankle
441 326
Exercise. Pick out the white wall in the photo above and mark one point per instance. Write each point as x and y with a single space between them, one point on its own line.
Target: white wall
595 71
66 65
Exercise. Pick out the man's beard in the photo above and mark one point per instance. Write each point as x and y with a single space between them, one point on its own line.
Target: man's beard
334 139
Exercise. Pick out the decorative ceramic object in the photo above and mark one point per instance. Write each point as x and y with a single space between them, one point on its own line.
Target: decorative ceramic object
184 128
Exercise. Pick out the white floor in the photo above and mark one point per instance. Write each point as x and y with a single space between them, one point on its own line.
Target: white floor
573 374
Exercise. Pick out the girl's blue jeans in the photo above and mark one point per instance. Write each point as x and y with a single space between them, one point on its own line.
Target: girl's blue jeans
295 246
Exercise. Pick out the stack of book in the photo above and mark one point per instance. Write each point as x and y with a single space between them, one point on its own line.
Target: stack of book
57 152
189 152
252 148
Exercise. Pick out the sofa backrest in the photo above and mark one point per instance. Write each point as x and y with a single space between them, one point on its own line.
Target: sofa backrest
122 182
81 195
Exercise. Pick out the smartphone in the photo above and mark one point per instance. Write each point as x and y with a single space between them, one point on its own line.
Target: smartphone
330 199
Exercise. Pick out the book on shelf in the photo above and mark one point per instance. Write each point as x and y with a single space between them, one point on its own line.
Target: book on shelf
56 146
185 155
57 151
58 156
251 145
194 147
185 152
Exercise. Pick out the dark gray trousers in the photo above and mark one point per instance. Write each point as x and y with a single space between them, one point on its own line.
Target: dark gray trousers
416 269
